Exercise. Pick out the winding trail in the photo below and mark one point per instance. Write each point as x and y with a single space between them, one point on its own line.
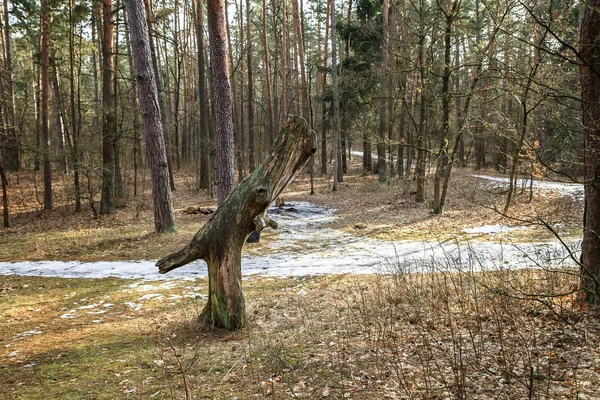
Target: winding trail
304 245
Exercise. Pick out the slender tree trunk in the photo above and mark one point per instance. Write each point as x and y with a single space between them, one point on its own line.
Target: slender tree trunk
402 135
420 142
590 94
222 98
11 154
45 111
270 115
323 87
164 220
59 122
74 124
5 211
202 99
251 162
442 160
381 164
109 126
119 188
336 101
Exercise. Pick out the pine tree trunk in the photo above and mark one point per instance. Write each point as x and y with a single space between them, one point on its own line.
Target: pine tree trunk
11 154
270 115
107 202
219 242
249 44
381 162
222 98
590 95
202 99
148 98
74 124
45 106
336 102
5 211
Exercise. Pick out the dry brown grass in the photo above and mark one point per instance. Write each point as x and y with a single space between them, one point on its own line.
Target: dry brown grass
400 335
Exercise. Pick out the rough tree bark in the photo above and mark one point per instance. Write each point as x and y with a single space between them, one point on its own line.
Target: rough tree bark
164 220
109 123
203 98
590 93
381 164
219 242
45 106
337 174
4 182
12 143
222 98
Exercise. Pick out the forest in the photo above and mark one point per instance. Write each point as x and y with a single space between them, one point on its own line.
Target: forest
236 199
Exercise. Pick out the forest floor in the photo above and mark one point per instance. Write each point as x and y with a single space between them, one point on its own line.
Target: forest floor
363 207
397 334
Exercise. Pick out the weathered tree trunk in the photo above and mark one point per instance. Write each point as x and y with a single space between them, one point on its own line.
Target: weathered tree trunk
109 126
219 242
222 98
164 220
590 95
45 111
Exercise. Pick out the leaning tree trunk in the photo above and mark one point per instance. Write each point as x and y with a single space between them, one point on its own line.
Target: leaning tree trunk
590 93
164 220
219 242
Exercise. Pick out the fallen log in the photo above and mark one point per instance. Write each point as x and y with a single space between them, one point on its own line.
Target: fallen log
219 242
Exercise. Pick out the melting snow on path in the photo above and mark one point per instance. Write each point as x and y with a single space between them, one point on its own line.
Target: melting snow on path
303 246
573 189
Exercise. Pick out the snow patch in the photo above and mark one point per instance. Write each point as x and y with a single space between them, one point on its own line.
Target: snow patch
490 229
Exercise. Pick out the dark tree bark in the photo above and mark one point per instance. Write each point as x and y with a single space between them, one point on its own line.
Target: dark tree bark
420 142
164 220
109 123
323 87
4 182
45 111
336 102
590 96
222 98
219 242
11 155
251 163
402 135
202 98
442 161
270 115
381 164
74 124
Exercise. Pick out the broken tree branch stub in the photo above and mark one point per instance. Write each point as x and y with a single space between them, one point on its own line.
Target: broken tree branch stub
219 242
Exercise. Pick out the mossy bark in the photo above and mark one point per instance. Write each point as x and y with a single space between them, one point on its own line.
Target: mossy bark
219 242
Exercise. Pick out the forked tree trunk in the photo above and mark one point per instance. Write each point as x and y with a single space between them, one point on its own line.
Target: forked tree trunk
219 242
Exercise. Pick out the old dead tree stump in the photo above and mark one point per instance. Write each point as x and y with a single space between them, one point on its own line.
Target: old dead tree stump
219 242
